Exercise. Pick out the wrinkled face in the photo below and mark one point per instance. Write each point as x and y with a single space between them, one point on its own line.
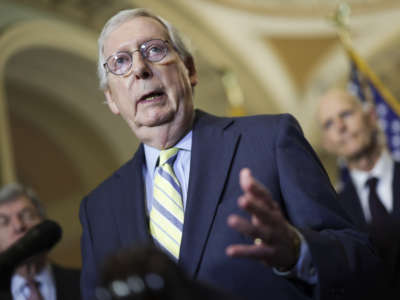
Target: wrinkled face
16 218
347 130
152 93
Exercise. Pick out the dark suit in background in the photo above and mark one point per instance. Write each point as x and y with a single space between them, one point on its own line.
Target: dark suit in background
67 281
113 216
25 240
389 243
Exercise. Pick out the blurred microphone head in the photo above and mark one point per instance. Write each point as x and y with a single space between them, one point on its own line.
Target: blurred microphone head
142 273
39 239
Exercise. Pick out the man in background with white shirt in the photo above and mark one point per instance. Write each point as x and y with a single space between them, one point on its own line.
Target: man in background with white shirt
37 278
371 196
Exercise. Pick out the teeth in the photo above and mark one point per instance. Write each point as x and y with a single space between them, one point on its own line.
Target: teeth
151 97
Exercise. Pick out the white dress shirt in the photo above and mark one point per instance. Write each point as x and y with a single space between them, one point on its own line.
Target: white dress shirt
45 278
383 171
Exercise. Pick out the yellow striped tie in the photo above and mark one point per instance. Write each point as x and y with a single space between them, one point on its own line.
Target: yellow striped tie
166 215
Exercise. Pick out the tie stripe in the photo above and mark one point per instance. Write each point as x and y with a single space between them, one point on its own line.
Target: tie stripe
168 204
166 215
173 231
168 191
169 178
164 240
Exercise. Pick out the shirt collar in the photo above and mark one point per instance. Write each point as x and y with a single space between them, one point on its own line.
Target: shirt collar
152 153
18 282
381 170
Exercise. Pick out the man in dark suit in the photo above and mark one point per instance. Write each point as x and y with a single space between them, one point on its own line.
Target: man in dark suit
20 210
197 186
350 131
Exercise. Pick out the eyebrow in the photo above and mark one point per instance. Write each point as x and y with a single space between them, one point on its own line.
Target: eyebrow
140 42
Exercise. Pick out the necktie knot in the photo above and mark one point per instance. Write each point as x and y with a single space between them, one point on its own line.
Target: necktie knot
168 155
32 283
34 291
371 183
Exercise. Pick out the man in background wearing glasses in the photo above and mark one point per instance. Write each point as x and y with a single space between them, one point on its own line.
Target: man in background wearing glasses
240 203
36 278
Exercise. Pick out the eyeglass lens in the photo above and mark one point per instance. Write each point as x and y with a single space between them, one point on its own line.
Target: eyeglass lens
121 62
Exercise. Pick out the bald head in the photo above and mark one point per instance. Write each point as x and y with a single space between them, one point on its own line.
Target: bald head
334 99
348 128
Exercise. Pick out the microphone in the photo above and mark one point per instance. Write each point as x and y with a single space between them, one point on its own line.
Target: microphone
40 238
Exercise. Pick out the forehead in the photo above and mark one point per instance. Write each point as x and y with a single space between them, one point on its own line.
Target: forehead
15 205
134 32
333 104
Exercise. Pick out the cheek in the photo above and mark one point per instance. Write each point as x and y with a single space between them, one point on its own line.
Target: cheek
6 239
331 137
358 123
175 78
123 100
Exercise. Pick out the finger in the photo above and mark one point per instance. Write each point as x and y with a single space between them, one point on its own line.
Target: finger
259 252
262 233
249 184
253 187
263 213
243 226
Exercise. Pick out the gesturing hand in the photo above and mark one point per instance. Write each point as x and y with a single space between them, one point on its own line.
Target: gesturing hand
276 243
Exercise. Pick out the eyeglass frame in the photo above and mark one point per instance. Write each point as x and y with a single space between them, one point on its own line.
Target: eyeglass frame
130 53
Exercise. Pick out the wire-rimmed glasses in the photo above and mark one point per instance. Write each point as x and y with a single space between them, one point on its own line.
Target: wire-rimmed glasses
120 62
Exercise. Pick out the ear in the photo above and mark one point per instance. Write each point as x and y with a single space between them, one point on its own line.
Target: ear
110 102
189 63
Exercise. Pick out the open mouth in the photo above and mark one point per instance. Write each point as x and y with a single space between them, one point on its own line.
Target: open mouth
151 96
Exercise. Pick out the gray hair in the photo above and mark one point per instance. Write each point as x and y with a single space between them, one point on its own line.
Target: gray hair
180 43
11 192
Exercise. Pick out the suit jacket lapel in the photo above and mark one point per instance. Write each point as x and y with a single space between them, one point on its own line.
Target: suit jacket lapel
212 153
130 210
352 205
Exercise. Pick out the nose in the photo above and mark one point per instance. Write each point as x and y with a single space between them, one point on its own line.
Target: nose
18 225
340 125
140 67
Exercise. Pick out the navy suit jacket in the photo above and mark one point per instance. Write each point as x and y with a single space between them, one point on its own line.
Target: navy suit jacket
113 216
389 242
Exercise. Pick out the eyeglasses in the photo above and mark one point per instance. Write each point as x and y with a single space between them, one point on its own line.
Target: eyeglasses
120 62
27 215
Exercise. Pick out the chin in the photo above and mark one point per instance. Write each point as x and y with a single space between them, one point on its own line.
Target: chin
157 120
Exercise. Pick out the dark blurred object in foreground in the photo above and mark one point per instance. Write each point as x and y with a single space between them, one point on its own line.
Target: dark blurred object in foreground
149 274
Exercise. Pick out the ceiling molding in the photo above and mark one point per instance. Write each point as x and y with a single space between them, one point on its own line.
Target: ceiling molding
305 8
